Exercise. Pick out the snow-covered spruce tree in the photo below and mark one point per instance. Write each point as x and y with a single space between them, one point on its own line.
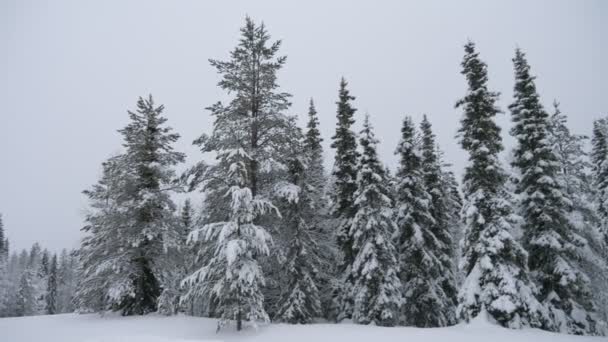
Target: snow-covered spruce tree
343 208
42 277
425 304
391 183
300 301
4 276
26 297
249 135
599 144
494 264
233 275
315 171
150 158
431 168
376 290
3 249
599 162
196 253
187 257
552 242
132 225
453 204
179 260
577 182
51 288
198 300
6 248
103 252
37 265
187 216
321 219
4 287
66 282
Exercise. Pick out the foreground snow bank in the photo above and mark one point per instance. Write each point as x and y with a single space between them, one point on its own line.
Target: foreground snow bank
153 328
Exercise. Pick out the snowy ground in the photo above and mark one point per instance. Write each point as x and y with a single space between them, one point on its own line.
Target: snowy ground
93 328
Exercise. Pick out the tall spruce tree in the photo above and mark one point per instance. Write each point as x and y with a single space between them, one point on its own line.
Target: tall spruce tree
132 224
345 184
577 182
425 302
151 158
453 202
66 281
321 218
179 259
51 287
345 170
315 170
4 275
100 286
249 136
549 237
300 296
496 280
3 249
441 230
599 162
376 289
26 296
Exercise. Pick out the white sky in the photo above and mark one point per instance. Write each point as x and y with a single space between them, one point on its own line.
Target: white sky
69 70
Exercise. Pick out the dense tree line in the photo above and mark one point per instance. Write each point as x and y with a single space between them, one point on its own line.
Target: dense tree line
36 281
273 236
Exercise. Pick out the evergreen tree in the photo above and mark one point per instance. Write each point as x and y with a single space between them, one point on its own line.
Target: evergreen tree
132 224
300 300
34 257
390 183
40 282
453 203
315 171
4 276
496 280
37 265
321 222
444 249
345 170
179 259
375 290
3 249
6 248
187 215
249 135
26 300
548 235
66 282
344 187
4 287
599 162
102 282
51 289
577 182
43 270
150 157
417 246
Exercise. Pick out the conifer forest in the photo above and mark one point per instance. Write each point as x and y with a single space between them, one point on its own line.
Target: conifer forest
260 226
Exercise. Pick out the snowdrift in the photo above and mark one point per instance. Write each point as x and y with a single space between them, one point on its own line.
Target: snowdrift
154 328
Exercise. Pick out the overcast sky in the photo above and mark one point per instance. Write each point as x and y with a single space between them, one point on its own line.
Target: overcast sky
69 70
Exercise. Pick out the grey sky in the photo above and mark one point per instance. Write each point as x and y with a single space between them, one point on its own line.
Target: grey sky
69 70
